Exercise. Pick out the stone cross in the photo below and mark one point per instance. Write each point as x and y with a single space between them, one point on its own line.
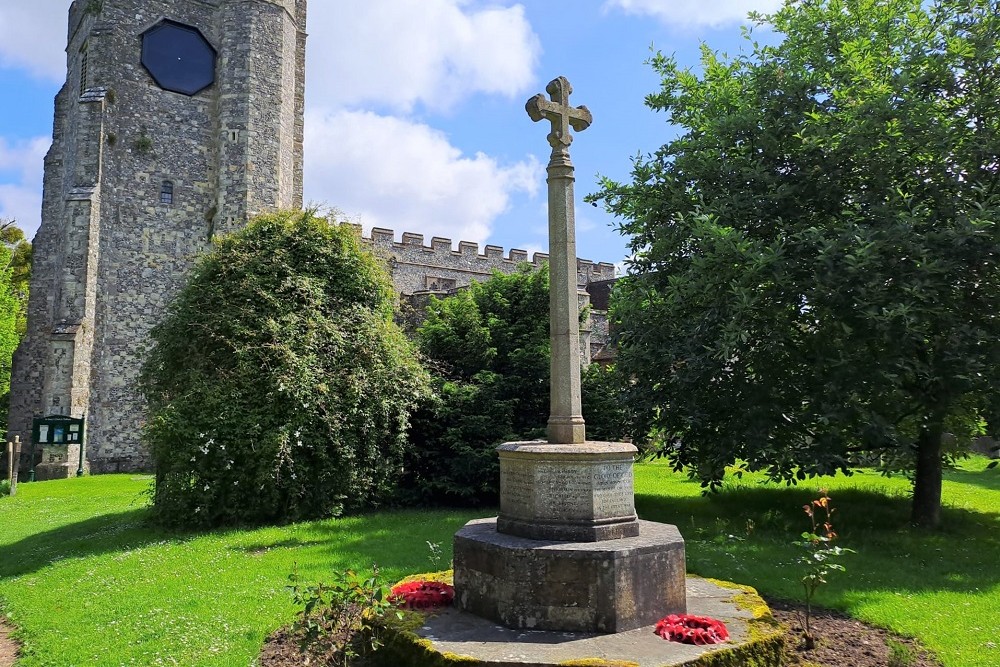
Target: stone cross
566 424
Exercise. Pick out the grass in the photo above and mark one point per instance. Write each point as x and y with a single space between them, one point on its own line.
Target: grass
88 582
942 587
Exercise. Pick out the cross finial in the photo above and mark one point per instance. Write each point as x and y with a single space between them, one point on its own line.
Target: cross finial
559 113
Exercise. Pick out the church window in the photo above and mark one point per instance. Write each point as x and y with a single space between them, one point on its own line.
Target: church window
167 193
178 57
84 66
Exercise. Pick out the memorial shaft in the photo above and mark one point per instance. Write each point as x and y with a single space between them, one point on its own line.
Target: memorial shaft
566 425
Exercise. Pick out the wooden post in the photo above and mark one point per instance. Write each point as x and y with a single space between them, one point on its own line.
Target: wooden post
15 462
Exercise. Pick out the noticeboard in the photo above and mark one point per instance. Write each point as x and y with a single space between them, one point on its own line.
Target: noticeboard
57 430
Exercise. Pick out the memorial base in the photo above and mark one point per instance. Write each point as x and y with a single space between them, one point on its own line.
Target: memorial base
579 493
448 637
48 471
597 587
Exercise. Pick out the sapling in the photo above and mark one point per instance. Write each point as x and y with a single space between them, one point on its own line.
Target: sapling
333 617
820 556
435 555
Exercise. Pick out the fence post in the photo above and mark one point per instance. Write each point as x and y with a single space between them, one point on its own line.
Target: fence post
15 464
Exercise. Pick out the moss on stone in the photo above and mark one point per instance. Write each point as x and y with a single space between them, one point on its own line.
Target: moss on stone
444 577
763 647
403 647
765 642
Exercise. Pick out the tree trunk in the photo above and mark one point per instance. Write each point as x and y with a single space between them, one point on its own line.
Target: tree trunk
927 483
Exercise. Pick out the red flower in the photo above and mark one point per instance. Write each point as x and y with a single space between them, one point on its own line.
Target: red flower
422 594
688 629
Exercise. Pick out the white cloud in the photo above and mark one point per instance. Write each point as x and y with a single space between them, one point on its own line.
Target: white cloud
391 55
398 53
33 37
686 13
21 190
390 172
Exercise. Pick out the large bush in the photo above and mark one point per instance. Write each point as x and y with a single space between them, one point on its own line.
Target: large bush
279 387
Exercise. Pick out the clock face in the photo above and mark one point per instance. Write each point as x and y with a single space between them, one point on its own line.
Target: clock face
178 57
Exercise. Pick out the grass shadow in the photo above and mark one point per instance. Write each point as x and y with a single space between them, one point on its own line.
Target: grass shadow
745 534
398 541
102 534
987 479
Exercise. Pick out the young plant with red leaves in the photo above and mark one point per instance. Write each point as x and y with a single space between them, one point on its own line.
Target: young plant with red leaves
820 556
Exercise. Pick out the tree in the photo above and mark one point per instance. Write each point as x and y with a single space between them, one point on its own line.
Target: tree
816 271
487 348
15 271
279 387
488 351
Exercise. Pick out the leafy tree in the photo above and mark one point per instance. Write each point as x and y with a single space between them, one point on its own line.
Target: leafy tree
488 351
498 326
279 387
816 272
487 348
15 270
19 263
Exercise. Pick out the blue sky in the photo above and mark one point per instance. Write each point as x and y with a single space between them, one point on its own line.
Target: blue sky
415 114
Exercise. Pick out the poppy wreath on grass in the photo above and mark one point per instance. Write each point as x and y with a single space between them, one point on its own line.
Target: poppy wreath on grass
688 629
422 594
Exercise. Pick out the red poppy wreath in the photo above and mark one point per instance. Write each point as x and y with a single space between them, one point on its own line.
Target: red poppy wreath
688 629
422 594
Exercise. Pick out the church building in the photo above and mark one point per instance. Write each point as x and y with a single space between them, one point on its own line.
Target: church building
179 120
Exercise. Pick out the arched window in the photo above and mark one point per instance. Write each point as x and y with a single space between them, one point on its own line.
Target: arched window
167 193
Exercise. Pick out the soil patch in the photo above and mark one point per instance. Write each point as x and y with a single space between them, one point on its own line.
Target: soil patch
841 642
8 647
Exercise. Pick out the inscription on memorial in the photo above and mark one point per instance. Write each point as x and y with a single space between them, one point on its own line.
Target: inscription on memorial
613 492
566 491
517 496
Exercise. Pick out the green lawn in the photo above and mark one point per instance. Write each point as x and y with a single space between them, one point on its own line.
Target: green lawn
89 583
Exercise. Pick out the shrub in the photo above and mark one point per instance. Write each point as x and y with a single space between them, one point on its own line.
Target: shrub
488 351
279 387
339 622
604 403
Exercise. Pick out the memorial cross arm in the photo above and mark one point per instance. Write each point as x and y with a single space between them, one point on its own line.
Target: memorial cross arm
559 112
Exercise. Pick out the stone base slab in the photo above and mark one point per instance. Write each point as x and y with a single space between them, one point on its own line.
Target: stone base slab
610 586
579 492
452 637
586 532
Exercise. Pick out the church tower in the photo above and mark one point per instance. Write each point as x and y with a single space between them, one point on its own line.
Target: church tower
177 121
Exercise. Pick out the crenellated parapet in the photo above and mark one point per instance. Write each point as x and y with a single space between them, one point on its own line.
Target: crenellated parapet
442 266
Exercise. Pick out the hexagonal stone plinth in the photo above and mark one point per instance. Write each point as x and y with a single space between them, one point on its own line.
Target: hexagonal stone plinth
579 493
608 586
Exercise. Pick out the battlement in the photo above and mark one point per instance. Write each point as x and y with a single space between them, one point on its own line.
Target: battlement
442 256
